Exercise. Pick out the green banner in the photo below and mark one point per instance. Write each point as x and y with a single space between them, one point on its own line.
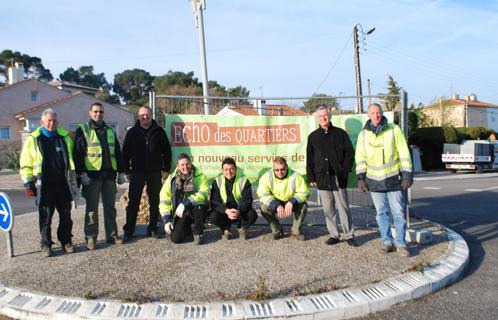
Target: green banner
253 141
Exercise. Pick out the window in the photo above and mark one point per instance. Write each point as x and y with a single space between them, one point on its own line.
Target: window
34 95
4 133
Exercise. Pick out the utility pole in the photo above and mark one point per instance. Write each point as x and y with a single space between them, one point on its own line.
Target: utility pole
369 93
198 6
359 92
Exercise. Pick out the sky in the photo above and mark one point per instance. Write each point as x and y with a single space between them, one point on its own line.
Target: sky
278 48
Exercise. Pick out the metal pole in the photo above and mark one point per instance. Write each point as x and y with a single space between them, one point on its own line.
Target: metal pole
369 93
357 69
200 25
153 98
10 244
404 112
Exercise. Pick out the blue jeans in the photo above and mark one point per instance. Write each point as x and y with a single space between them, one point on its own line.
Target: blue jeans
395 201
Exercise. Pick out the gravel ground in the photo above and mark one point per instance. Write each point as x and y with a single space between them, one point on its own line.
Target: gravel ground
152 270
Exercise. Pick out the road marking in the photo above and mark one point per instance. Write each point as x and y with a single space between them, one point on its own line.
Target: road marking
432 188
478 190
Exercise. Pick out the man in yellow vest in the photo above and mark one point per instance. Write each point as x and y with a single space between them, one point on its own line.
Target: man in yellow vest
231 200
97 157
384 167
281 192
183 201
47 170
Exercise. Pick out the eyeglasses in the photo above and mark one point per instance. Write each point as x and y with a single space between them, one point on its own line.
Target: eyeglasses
280 170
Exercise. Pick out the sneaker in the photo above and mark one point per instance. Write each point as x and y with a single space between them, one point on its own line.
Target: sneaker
115 240
46 251
351 242
90 244
68 248
226 235
330 241
243 233
299 237
403 251
387 247
197 239
278 235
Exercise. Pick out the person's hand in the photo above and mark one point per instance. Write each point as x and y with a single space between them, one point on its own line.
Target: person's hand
121 178
30 189
233 214
168 227
406 184
280 211
288 208
179 210
85 179
362 186
313 184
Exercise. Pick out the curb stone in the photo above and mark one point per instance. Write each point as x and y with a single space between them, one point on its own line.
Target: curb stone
337 304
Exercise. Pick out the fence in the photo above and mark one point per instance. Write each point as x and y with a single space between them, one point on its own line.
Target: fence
362 208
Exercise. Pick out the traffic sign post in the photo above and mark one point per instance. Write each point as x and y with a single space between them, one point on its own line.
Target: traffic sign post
7 221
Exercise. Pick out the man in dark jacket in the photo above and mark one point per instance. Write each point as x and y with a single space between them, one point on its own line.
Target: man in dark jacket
231 200
329 158
146 154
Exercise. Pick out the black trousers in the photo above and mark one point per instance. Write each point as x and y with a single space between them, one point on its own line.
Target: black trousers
223 222
192 222
137 182
55 196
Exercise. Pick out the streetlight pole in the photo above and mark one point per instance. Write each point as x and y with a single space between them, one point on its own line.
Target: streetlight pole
198 6
359 93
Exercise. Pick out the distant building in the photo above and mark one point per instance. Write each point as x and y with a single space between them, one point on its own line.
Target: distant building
466 112
73 87
23 100
259 107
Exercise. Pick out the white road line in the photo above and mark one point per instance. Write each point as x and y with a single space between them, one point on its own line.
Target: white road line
478 190
432 188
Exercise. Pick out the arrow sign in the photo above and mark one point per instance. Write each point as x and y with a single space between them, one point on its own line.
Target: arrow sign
6 217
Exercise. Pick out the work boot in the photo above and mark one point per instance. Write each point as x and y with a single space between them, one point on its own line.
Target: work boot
278 235
46 251
226 235
197 239
115 240
403 251
387 247
330 241
298 236
68 248
90 244
243 233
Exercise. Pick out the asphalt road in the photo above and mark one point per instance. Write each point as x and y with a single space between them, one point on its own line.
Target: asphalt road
468 204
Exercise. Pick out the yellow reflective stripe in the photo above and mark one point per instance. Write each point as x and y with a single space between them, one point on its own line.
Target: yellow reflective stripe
384 166
93 144
203 193
360 163
292 182
380 177
165 201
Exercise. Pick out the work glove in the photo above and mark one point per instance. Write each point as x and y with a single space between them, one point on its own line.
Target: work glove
362 186
179 210
30 189
85 179
121 178
168 225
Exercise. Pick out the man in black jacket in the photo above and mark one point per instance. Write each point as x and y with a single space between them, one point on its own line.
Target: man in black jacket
146 154
231 200
329 158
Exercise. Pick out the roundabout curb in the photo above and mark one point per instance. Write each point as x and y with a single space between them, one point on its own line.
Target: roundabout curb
338 304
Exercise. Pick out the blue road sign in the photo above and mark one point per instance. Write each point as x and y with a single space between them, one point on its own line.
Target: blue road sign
6 214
